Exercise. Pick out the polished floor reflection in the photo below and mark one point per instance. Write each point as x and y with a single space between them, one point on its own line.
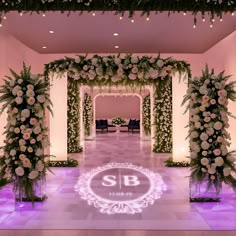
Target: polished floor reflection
64 209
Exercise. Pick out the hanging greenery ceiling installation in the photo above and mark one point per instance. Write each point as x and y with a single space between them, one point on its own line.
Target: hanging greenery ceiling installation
131 71
211 7
87 114
146 116
73 117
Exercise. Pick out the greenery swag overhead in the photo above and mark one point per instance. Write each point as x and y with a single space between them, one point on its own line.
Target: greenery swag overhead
130 71
212 7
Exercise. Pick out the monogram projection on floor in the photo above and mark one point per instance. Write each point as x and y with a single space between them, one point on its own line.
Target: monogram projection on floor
120 188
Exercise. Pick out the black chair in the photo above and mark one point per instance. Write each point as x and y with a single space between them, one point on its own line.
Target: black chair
133 125
102 125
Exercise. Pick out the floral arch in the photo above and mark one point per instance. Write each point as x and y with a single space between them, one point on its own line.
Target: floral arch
128 71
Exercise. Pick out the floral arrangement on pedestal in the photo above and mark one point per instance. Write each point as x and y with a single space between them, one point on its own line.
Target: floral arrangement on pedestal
118 120
146 116
87 114
26 98
211 161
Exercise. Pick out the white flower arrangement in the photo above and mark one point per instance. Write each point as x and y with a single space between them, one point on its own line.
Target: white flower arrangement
208 97
25 97
87 114
118 69
118 120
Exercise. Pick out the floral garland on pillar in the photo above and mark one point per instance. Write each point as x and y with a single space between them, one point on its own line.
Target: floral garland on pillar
73 114
163 116
87 114
26 98
208 97
146 115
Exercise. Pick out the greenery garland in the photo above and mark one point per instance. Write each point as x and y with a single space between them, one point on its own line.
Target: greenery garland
87 114
73 117
208 97
211 7
146 115
163 116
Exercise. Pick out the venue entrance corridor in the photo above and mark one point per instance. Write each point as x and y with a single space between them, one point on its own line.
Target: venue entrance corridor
119 172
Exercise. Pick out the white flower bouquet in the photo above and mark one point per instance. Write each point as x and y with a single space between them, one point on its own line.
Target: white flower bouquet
118 121
209 140
25 97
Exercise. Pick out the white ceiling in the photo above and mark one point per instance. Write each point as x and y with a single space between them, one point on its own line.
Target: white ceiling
94 34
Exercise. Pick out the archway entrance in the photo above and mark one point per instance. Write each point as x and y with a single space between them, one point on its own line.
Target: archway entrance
130 72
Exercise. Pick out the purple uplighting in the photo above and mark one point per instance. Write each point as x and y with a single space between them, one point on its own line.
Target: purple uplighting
65 209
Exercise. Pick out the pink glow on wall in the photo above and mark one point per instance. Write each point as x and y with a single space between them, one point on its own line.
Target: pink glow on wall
111 106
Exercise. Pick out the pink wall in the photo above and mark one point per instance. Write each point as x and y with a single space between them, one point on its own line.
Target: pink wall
112 106
13 53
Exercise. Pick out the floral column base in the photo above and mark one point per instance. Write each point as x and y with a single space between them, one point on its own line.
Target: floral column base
202 192
27 192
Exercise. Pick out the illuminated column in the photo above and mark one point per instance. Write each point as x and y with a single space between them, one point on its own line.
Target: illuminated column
58 123
180 120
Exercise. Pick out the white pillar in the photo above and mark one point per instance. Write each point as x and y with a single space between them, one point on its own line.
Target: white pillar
180 120
58 123
153 127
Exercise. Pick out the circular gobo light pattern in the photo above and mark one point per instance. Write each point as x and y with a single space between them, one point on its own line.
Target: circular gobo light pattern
120 188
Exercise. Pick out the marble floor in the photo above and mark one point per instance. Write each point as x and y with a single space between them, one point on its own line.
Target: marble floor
170 214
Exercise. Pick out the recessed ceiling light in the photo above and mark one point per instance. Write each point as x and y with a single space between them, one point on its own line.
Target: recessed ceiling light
43 15
115 34
44 47
51 31
116 46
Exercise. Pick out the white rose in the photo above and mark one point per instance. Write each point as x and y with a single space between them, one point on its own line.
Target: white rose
41 98
160 63
19 93
197 125
218 125
204 153
226 171
134 59
30 93
13 152
77 60
30 87
19 171
18 100
39 152
40 166
205 145
132 76
203 136
204 161
203 90
20 81
37 130
17 130
25 113
212 170
219 161
22 142
33 174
